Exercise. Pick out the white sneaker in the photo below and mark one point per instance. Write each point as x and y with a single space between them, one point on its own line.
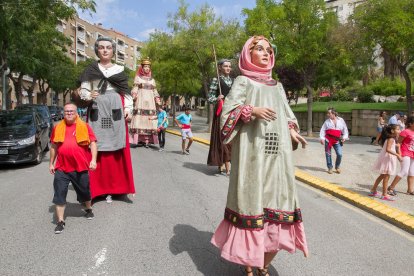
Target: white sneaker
161 149
108 199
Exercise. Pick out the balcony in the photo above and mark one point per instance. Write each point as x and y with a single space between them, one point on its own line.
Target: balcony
80 35
80 47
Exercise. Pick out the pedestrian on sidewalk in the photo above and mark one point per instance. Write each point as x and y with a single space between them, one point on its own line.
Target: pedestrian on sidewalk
381 123
184 122
333 133
406 140
386 163
394 119
219 153
162 118
262 214
72 154
104 86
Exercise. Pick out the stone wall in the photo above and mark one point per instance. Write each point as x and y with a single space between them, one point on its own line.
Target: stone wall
359 122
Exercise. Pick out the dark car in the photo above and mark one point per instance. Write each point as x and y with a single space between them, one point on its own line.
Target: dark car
42 109
55 113
24 137
61 112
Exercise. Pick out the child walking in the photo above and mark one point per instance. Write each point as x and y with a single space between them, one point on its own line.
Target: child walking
386 163
406 139
184 122
161 126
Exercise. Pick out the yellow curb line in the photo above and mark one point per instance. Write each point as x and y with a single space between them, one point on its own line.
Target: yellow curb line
393 215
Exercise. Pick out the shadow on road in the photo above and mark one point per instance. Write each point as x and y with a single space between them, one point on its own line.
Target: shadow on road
71 210
311 168
202 167
205 256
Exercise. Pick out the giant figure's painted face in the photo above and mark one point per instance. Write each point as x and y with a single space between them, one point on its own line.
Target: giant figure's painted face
105 50
261 53
225 68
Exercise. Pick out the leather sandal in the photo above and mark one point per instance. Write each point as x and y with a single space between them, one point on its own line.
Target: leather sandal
391 192
263 271
248 271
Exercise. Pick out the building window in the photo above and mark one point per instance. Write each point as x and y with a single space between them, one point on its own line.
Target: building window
120 57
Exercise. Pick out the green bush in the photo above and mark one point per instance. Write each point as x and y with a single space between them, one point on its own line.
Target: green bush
387 87
341 95
324 99
365 96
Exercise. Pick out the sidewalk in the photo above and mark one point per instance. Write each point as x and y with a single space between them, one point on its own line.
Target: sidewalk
356 177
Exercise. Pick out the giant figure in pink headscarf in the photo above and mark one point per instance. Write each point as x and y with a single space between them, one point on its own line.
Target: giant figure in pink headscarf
262 214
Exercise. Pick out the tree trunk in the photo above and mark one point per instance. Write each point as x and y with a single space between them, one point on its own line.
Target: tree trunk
67 91
403 70
310 102
173 108
18 85
30 90
391 68
43 90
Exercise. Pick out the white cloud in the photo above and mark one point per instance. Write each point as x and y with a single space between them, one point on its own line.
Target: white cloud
144 35
109 13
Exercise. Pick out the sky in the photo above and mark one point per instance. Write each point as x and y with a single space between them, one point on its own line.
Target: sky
138 18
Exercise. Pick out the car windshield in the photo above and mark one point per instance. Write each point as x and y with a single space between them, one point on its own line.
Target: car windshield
16 120
41 109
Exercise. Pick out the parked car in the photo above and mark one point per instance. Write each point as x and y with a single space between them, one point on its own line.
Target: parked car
42 109
24 137
55 113
61 112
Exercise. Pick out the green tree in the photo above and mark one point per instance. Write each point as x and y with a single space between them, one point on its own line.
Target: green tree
347 60
390 24
195 33
300 29
171 68
29 27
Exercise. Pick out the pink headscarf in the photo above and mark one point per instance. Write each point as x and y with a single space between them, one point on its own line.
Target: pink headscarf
252 71
141 72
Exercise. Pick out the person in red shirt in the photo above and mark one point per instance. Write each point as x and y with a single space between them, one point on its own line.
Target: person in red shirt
72 155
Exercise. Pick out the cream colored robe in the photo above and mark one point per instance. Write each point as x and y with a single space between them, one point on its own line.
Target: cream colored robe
262 180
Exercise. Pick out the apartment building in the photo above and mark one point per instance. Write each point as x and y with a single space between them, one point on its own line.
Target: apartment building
84 34
343 8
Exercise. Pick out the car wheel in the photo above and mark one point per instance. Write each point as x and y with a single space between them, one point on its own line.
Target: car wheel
39 155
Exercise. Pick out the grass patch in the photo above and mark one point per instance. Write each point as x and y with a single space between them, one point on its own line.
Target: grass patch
348 106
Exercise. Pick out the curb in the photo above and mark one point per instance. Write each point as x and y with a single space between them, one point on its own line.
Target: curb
390 214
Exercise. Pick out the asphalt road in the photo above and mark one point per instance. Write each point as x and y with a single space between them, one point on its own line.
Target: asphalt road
166 229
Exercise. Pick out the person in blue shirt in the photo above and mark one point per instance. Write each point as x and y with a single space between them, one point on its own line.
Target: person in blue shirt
162 126
394 119
184 122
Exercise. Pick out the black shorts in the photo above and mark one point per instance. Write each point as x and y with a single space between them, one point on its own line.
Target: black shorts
80 182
